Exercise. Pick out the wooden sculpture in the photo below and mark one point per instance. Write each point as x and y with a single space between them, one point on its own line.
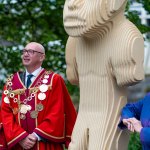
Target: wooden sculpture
104 55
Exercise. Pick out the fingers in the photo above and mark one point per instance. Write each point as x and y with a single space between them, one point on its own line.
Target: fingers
28 142
133 124
133 120
125 121
128 124
136 124
31 141
130 127
32 137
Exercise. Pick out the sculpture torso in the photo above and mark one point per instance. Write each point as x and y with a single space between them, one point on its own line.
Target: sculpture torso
108 58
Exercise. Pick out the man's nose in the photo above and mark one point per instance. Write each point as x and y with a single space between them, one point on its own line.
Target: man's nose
74 4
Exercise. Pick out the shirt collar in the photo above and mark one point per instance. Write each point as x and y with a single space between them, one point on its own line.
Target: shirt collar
35 73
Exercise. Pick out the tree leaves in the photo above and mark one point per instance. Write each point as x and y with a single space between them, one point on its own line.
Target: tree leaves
41 21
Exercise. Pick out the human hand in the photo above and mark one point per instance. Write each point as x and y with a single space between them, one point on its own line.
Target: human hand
28 142
136 124
128 124
133 124
33 136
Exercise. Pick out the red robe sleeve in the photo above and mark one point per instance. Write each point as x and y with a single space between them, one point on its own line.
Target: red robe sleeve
70 116
3 145
57 122
13 131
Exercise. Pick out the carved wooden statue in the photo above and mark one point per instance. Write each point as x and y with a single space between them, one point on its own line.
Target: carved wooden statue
104 55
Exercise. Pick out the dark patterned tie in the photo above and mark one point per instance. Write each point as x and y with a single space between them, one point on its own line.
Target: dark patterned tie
29 79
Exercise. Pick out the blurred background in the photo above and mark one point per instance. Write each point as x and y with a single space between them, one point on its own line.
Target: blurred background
42 20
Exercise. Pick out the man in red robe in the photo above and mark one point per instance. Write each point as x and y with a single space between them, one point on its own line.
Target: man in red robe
37 112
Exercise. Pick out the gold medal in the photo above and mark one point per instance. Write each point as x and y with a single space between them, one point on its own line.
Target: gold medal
41 96
34 114
28 107
23 109
39 107
43 88
46 76
22 116
6 100
44 80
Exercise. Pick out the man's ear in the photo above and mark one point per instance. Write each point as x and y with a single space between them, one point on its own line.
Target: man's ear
42 58
115 5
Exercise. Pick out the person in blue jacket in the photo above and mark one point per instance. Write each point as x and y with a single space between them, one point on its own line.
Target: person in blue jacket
136 117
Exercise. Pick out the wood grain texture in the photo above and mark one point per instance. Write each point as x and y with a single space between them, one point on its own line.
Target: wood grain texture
104 55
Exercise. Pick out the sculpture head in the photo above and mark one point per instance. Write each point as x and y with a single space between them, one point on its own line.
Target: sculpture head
83 16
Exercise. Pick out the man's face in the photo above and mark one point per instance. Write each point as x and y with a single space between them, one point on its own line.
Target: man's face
87 16
32 56
80 16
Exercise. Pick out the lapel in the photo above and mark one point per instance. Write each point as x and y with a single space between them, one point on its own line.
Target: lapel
37 79
22 77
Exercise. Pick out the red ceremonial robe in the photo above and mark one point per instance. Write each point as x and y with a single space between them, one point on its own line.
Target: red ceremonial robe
44 108
3 145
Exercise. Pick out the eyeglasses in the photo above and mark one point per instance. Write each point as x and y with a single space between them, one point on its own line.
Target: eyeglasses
29 51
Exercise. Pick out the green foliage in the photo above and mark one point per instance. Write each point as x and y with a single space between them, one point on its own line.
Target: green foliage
41 20
134 17
33 20
134 143
146 4
37 20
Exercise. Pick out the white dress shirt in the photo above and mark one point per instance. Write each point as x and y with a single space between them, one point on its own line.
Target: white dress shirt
34 73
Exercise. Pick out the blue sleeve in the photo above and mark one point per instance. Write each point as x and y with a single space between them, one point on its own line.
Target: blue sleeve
145 136
131 110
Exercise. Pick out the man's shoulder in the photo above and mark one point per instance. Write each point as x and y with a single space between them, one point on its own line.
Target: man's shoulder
53 73
57 76
13 75
54 76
